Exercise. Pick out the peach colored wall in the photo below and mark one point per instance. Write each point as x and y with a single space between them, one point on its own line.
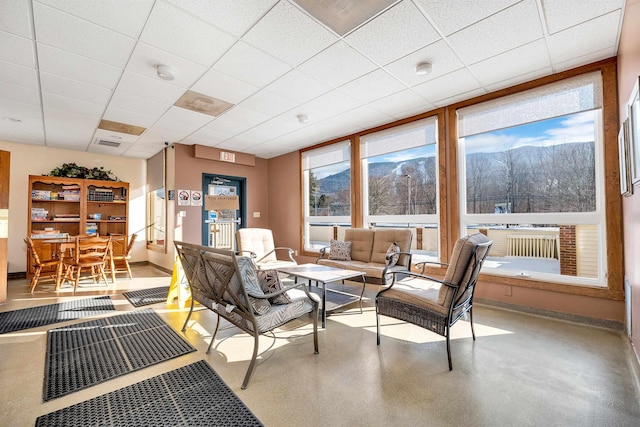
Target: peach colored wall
284 200
188 176
628 72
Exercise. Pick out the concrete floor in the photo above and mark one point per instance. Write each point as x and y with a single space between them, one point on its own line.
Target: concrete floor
522 370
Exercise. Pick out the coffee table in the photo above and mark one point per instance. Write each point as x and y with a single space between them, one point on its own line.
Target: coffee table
322 274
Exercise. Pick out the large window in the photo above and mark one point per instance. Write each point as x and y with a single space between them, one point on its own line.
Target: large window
531 178
327 193
400 182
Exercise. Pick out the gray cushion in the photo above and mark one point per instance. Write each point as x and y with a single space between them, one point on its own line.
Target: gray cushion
270 282
393 248
252 285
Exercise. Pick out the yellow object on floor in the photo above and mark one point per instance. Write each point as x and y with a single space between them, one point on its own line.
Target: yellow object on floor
179 287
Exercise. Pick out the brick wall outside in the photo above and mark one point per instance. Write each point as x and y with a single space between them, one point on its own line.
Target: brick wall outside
568 259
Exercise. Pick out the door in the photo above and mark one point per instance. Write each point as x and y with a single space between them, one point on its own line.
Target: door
219 226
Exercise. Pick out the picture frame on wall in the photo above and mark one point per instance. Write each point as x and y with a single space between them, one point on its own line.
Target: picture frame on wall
626 187
633 134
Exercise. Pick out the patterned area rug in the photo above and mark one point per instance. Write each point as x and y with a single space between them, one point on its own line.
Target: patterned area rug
26 318
149 296
85 354
193 395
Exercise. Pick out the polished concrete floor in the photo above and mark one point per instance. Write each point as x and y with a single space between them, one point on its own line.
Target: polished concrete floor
522 370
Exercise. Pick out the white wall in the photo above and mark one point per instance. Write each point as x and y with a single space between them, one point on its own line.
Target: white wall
37 160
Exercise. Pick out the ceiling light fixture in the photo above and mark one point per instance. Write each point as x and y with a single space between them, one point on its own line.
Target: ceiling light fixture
303 118
423 68
165 72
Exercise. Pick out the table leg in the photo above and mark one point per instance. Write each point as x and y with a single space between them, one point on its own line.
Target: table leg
362 293
324 305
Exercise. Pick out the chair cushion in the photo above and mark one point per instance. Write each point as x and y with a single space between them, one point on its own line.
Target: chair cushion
340 250
460 266
258 241
270 282
361 243
417 292
252 285
393 249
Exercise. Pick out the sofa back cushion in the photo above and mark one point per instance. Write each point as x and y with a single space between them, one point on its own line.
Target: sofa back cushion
361 243
386 237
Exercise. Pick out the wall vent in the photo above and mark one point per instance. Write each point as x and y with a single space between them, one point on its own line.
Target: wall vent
109 143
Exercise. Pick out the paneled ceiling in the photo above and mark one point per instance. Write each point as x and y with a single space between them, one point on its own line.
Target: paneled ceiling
77 72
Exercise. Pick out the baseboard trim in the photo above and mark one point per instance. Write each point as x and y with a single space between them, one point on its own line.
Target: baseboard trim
17 275
585 320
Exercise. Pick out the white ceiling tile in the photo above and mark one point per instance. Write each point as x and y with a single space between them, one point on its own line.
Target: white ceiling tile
51 83
19 75
597 34
397 32
180 121
289 34
439 54
451 16
19 93
237 143
153 89
337 65
129 117
18 110
460 97
449 85
400 103
224 87
516 62
136 104
142 152
251 65
508 29
328 105
268 103
361 118
233 16
76 67
298 87
18 50
237 119
562 14
72 105
156 138
277 126
108 14
519 79
145 58
598 55
211 136
64 134
75 35
173 29
71 118
23 135
15 17
372 86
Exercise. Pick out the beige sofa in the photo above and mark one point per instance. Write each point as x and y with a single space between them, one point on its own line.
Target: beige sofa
369 252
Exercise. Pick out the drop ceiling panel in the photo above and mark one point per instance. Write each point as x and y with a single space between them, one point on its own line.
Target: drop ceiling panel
176 31
15 18
145 58
251 65
156 138
76 67
80 121
18 50
298 87
590 57
150 88
66 135
399 31
560 15
289 34
449 85
439 54
129 117
141 152
594 35
19 75
75 35
460 97
400 104
329 104
238 119
516 62
519 79
24 133
19 110
237 143
209 137
107 14
451 16
221 86
19 93
71 105
180 121
508 29
233 16
136 104
268 103
57 85
372 86
337 65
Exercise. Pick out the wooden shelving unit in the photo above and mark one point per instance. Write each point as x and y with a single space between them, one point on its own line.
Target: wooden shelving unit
59 206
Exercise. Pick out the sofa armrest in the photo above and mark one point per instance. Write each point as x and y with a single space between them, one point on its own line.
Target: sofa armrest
388 274
323 251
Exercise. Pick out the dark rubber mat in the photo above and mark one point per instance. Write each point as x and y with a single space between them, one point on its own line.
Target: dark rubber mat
17 320
144 297
193 395
88 353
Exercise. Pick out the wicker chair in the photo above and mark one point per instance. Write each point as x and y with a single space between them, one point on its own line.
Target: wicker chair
435 304
228 285
258 243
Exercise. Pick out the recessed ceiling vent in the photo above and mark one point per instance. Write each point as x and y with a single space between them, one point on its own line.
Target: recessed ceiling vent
108 143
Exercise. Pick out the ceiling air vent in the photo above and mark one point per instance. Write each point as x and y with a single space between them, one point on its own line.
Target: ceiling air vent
108 143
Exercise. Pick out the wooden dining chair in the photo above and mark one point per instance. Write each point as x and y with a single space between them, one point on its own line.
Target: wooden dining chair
90 254
119 262
39 264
